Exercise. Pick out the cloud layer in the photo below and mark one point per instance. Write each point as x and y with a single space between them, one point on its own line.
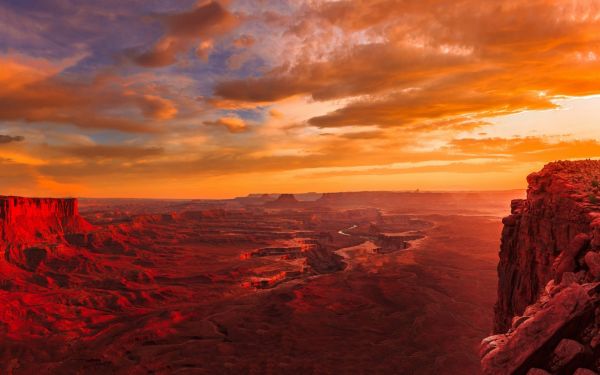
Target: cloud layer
231 97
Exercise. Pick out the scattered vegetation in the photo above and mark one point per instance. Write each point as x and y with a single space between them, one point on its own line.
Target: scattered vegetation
593 198
595 183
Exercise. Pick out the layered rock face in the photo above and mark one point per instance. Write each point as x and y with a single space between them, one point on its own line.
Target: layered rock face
547 318
28 226
28 219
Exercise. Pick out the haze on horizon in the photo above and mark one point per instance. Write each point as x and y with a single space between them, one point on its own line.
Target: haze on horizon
176 99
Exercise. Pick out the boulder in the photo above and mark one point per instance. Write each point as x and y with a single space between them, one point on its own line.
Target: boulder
537 371
535 335
567 354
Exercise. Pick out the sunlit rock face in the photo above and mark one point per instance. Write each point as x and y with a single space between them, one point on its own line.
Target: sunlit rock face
32 229
31 219
548 287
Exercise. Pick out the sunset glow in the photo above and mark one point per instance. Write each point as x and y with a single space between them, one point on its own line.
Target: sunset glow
206 99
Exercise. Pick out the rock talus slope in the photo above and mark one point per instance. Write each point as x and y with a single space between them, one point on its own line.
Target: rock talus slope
547 317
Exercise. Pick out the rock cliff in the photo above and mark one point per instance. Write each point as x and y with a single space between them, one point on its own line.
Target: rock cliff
547 317
28 226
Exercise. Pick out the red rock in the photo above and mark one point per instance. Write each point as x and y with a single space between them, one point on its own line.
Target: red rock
537 371
584 371
284 201
534 334
28 226
592 260
155 291
510 220
323 260
490 343
518 320
565 354
549 264
544 236
565 262
28 219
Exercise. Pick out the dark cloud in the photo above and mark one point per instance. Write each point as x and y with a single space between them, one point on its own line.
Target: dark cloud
11 138
182 31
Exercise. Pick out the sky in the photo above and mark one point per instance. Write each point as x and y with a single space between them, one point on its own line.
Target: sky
214 99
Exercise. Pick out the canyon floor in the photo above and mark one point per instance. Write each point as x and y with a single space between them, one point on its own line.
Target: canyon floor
259 285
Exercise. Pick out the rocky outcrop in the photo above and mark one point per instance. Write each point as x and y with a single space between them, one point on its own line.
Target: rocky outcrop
284 201
554 335
547 318
545 234
322 260
31 228
30 219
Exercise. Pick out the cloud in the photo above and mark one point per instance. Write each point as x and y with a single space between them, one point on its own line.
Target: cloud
437 105
204 49
182 30
157 108
34 91
244 41
526 149
129 153
335 89
11 138
233 124
351 71
408 64
457 167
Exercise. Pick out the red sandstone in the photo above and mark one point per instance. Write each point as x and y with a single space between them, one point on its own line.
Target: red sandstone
548 291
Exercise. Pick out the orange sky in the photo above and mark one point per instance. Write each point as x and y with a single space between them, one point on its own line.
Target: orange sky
191 98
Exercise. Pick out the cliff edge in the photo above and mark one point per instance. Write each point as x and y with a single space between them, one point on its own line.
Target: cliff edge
547 318
30 225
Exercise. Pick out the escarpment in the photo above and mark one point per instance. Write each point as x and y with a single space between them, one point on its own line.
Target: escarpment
547 317
30 219
29 227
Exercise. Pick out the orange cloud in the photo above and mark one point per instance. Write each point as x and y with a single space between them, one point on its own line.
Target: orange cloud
528 149
233 124
389 89
45 96
409 63
244 41
156 107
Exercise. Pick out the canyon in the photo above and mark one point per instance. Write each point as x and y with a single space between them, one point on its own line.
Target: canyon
379 282
547 316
